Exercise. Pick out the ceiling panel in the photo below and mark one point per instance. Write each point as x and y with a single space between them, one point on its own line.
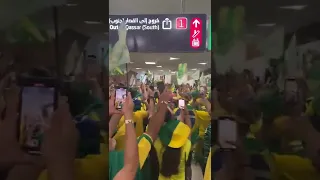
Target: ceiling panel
163 59
268 11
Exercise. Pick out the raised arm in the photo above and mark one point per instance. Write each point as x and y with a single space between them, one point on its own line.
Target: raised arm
131 156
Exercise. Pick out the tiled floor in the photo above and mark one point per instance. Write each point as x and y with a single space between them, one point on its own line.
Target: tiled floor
196 172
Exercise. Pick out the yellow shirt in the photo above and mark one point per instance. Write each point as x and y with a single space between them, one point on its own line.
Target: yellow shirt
203 119
138 117
207 172
183 159
291 167
95 167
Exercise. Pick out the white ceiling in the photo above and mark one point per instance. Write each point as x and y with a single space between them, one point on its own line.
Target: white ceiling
163 59
269 11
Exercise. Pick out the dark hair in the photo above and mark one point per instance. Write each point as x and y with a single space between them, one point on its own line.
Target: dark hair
170 161
154 163
168 116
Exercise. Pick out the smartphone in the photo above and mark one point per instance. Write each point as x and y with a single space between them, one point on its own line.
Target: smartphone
227 131
38 100
121 94
181 103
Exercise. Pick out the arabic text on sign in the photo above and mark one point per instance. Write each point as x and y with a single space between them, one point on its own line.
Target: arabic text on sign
141 21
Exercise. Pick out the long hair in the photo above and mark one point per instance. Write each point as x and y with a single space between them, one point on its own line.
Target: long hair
170 161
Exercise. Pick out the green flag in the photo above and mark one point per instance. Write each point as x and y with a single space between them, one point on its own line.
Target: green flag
230 28
182 69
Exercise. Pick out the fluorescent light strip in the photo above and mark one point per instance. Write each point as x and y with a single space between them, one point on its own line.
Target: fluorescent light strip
71 4
267 25
150 62
159 66
93 22
173 58
138 68
294 7
202 63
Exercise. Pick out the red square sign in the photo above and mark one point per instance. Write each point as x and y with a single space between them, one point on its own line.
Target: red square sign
181 23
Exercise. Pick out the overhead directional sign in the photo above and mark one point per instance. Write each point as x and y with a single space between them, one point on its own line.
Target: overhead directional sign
162 33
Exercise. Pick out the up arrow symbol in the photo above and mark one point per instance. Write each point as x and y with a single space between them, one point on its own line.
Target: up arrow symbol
196 23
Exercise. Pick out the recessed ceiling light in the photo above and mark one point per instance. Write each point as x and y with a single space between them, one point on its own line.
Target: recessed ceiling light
93 22
159 66
294 7
161 70
266 24
202 63
138 68
193 69
173 58
150 62
71 4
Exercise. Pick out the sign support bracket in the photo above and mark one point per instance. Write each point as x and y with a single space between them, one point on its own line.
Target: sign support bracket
182 6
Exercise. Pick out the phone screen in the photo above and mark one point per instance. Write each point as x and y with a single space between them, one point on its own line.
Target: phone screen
121 94
37 107
227 131
181 103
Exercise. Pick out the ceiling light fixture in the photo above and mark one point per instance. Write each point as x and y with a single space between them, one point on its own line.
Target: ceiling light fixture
138 68
193 69
266 25
173 72
161 70
131 62
173 58
202 63
150 62
71 4
159 66
93 22
294 7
